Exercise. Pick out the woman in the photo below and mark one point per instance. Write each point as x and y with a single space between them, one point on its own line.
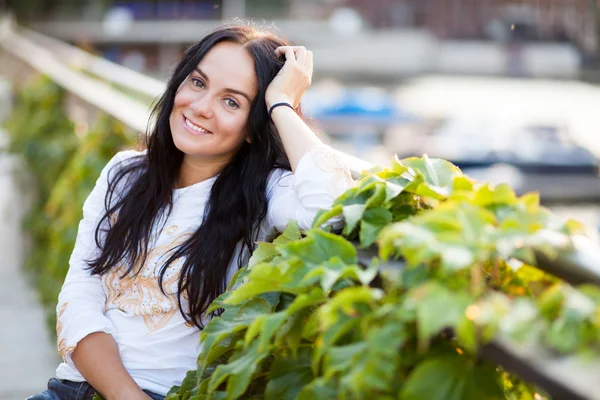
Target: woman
164 230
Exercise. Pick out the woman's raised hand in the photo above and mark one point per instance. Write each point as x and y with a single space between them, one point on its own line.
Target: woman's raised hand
290 84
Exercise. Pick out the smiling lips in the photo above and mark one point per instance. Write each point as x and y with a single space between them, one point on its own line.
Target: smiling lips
194 127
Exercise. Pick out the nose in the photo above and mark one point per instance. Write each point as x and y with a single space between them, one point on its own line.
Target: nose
202 106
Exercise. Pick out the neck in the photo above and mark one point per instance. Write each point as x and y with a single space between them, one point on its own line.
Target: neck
195 170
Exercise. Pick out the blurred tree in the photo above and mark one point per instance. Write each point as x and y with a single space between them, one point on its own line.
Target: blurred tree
28 10
267 8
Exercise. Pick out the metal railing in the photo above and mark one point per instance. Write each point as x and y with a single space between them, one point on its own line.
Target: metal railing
97 66
561 377
95 92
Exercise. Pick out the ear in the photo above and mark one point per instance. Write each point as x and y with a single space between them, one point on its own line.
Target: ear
248 139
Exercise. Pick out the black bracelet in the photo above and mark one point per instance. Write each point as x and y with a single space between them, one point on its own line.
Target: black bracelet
277 105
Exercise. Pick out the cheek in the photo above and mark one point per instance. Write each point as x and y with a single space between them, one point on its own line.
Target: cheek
180 100
235 125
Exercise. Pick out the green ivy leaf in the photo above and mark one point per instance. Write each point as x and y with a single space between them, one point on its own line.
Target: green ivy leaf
551 301
237 372
233 321
373 371
264 253
303 300
344 303
290 333
343 358
332 333
288 376
503 194
462 183
437 308
352 215
319 389
378 196
216 354
466 334
265 325
438 174
455 379
325 215
265 277
394 187
318 247
290 234
398 166
374 220
328 273
187 388
564 334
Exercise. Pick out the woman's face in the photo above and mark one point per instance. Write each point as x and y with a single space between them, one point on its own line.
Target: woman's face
211 107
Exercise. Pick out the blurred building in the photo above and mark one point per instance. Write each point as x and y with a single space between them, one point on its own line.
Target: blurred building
368 41
148 9
574 21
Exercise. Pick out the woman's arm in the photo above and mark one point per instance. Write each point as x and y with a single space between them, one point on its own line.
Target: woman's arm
318 175
296 136
97 359
289 86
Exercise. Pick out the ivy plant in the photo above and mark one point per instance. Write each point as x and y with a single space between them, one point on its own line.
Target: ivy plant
312 318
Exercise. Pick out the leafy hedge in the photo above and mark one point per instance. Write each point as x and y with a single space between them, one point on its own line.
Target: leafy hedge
61 171
311 319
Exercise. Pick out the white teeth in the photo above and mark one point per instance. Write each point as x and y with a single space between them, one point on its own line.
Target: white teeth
195 127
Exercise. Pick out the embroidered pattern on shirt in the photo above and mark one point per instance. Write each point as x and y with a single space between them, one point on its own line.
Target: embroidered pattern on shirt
63 350
329 162
140 294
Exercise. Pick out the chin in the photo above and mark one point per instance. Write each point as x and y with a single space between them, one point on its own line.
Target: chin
186 144
192 151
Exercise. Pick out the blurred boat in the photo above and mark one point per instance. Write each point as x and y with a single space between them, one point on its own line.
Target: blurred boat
348 110
543 158
533 148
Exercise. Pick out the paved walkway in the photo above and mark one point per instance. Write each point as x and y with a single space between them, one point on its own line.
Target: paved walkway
27 356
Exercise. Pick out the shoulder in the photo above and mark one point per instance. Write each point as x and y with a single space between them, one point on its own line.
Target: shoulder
122 159
118 167
126 156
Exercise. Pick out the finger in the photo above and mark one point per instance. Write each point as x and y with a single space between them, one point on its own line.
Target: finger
289 55
282 49
300 55
309 62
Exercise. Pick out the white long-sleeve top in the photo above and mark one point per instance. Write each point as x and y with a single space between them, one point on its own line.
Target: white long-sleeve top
156 344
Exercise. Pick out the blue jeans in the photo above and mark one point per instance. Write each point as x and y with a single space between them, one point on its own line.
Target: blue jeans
68 390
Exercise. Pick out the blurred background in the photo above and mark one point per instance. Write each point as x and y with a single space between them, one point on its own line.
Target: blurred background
506 89
509 90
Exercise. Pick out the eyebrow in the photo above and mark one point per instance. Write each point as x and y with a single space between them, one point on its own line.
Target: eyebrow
198 70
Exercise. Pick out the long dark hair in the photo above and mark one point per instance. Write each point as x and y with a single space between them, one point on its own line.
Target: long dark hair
238 199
